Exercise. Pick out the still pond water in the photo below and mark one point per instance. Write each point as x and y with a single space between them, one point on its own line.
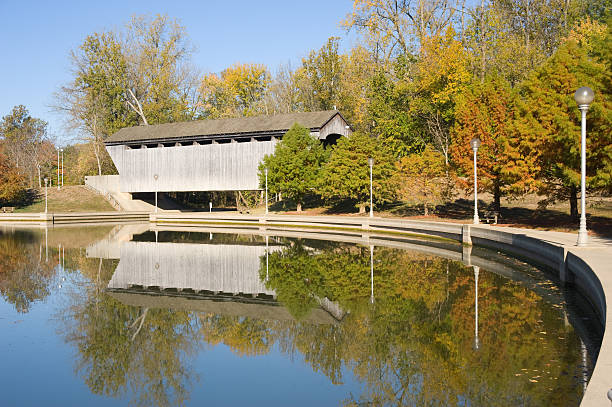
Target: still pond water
120 315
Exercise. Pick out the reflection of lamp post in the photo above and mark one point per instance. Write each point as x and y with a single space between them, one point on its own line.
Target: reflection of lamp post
267 258
475 143
62 150
583 97
371 163
266 172
476 340
46 182
155 177
372 274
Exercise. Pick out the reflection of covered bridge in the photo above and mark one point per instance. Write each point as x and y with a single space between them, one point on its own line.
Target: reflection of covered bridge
209 155
216 278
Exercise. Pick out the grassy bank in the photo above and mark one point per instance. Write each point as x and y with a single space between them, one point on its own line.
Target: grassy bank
75 198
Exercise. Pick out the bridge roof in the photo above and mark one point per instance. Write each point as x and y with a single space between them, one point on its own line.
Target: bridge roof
246 126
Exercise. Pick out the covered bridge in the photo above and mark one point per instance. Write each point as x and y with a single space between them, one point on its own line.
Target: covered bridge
209 155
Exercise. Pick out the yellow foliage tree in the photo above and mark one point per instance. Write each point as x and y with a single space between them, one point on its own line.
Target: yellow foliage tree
420 178
239 90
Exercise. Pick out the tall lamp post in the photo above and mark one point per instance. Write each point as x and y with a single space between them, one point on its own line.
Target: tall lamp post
58 168
266 173
371 163
62 151
475 143
583 97
46 182
155 177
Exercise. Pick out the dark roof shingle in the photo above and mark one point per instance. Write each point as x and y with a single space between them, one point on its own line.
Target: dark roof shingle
241 125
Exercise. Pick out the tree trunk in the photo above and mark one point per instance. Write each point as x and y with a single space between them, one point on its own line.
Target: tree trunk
496 197
362 208
39 177
299 207
573 198
425 209
98 161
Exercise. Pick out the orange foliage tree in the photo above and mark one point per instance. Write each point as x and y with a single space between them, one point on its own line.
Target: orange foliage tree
486 111
12 182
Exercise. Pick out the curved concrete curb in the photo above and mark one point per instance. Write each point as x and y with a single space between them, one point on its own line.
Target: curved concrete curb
588 269
72 217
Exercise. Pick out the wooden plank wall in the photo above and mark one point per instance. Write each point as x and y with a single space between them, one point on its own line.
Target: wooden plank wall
211 167
334 126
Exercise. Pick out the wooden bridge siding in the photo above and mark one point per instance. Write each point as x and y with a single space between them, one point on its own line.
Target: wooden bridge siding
334 126
212 267
211 167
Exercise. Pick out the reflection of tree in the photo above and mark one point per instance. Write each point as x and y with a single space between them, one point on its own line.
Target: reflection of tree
129 348
245 336
415 344
293 272
24 274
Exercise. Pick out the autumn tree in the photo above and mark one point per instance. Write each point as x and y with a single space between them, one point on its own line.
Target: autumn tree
353 95
441 75
328 79
549 113
238 91
161 82
12 182
284 93
26 144
509 38
420 178
319 77
395 28
505 167
388 109
346 174
294 168
140 75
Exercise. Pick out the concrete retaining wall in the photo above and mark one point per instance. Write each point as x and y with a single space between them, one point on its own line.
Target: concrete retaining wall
73 217
103 183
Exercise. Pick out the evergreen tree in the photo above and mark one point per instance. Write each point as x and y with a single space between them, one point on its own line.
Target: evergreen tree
294 168
346 174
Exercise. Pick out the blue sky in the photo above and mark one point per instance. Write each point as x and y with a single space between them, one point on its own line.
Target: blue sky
37 36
